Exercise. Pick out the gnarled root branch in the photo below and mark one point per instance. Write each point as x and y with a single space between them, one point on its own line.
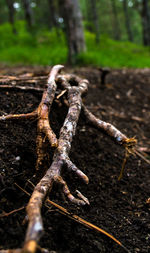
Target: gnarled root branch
106 127
53 174
119 137
43 126
110 130
42 116
75 88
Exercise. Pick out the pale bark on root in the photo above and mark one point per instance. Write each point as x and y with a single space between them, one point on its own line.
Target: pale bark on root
41 114
75 87
43 126
53 174
106 127
31 115
110 130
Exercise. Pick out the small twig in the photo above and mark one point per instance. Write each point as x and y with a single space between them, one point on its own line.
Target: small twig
13 211
141 156
61 94
76 218
21 78
21 88
31 115
27 193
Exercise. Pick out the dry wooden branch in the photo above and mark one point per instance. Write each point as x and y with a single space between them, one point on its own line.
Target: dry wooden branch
75 88
21 88
108 128
138 153
4 214
21 80
53 174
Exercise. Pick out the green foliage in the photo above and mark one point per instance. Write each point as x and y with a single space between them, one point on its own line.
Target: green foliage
114 54
46 47
42 47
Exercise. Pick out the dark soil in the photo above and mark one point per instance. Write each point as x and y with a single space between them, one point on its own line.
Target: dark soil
120 207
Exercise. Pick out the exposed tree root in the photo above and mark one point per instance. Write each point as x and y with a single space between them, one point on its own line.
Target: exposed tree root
75 88
72 216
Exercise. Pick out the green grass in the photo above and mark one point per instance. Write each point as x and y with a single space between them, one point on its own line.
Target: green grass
114 54
45 47
39 48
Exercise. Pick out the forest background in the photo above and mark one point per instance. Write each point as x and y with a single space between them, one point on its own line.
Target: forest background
114 33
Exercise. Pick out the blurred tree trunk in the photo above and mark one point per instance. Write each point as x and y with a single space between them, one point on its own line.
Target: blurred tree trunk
72 16
145 13
28 13
11 13
116 28
95 20
127 20
53 13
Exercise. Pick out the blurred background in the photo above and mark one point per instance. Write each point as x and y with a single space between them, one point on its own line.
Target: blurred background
114 33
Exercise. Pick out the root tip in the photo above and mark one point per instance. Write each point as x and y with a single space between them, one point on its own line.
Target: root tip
30 247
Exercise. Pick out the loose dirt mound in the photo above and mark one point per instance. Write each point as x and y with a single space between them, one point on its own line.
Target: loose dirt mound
120 207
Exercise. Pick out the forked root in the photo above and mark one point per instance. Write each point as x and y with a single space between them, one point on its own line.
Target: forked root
53 174
75 88
119 137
